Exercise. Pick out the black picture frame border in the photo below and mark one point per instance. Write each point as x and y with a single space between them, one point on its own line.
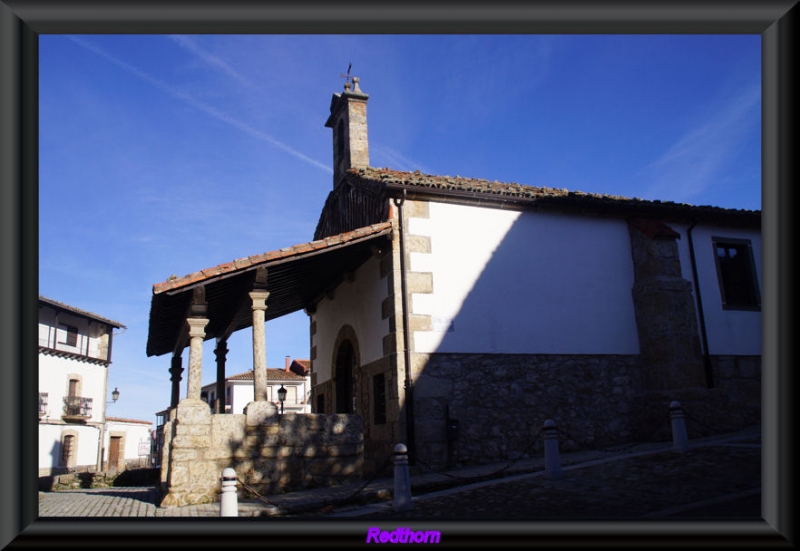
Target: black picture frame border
21 22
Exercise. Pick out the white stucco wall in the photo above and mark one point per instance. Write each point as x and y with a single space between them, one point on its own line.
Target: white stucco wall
728 331
363 297
243 394
50 444
54 375
134 433
511 282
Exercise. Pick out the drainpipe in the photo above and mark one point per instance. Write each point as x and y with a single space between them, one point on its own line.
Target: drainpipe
703 335
409 390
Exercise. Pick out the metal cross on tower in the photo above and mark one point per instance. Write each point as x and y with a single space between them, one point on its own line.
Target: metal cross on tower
348 76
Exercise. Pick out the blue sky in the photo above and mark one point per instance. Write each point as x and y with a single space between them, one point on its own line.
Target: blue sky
164 155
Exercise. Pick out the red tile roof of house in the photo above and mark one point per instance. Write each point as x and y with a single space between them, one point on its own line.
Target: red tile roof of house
273 374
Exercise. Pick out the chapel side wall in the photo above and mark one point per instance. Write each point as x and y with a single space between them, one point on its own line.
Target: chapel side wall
270 455
363 294
590 398
494 273
597 392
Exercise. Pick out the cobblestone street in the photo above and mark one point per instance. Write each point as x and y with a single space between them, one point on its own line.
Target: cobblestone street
646 487
622 489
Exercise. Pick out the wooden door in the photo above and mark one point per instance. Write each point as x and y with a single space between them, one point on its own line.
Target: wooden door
113 453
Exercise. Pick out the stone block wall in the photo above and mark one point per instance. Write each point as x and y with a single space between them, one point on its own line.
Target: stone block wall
596 401
501 401
93 479
270 453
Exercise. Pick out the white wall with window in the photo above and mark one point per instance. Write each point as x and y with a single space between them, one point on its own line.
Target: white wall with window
73 369
733 324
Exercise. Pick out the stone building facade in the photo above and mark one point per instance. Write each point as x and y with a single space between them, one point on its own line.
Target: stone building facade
474 383
455 315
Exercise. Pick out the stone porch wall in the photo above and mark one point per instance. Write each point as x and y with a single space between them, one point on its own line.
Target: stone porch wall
270 453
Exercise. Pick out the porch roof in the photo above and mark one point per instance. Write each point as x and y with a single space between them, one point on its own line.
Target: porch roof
297 277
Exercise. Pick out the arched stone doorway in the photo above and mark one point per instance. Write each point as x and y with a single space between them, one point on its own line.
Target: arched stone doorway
345 378
347 373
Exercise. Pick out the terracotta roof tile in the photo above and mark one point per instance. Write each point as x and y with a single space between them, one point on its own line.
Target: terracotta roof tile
273 374
255 260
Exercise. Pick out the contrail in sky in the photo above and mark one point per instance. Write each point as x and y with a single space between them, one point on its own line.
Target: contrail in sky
199 105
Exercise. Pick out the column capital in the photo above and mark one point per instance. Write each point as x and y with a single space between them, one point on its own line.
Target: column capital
259 299
197 326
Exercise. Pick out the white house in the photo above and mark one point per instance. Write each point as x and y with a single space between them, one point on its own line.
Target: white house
239 389
130 443
74 358
457 314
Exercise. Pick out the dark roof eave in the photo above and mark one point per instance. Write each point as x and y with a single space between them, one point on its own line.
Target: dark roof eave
77 311
580 204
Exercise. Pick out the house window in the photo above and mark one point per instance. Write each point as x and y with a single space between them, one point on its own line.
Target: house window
320 403
42 403
736 271
71 335
379 398
291 395
67 450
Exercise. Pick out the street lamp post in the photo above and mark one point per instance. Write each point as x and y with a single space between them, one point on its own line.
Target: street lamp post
282 396
101 445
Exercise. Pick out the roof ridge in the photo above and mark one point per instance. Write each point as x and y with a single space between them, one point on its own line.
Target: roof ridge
514 189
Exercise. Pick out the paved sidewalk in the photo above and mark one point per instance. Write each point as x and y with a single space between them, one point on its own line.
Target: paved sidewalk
638 481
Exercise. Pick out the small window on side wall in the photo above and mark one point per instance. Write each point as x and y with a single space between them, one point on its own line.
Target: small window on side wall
736 271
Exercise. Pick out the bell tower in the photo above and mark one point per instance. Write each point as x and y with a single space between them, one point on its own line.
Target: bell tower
348 119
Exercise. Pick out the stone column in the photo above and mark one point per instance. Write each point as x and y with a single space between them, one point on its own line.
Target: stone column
220 352
196 334
259 299
175 371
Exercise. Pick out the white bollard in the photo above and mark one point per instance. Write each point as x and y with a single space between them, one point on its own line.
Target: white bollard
402 482
552 462
680 442
229 503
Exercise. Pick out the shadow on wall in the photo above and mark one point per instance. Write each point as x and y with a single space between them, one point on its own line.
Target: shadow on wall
292 451
547 330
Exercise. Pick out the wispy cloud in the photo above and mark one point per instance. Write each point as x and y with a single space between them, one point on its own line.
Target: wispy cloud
201 106
692 165
210 59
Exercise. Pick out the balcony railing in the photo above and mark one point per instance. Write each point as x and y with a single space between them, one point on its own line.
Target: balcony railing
42 404
77 407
